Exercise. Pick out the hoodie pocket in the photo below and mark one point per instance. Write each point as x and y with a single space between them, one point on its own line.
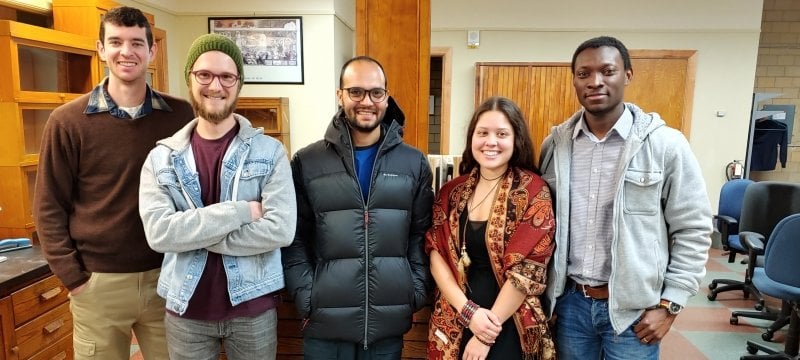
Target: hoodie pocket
642 192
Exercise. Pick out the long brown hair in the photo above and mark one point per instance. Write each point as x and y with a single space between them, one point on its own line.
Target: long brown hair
523 145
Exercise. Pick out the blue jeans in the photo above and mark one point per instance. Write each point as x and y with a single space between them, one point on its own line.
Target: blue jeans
583 330
253 338
321 349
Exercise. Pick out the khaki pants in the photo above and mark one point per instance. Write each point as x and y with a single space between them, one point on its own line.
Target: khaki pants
109 307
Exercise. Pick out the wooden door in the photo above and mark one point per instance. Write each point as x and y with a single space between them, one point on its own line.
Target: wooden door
663 82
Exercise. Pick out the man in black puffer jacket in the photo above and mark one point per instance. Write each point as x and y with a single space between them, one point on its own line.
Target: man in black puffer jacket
357 269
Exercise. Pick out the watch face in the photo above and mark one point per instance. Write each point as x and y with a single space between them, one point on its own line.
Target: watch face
675 308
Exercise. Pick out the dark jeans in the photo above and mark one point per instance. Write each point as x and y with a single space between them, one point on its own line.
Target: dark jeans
321 349
583 330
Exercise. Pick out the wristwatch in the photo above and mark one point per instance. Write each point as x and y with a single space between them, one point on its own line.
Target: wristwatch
673 308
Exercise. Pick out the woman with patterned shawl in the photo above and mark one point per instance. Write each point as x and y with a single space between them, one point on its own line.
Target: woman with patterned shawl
489 245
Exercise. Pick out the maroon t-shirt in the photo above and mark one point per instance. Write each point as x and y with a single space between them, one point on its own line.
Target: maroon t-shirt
211 300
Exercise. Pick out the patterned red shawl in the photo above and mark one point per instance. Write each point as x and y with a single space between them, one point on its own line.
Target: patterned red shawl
519 237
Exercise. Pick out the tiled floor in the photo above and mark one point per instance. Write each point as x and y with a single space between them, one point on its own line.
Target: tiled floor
702 330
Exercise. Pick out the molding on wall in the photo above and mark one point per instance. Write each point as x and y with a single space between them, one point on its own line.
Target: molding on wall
35 6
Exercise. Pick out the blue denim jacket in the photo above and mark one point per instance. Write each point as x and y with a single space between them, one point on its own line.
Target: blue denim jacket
255 168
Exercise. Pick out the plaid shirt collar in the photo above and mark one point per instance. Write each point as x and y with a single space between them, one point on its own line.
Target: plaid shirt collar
100 101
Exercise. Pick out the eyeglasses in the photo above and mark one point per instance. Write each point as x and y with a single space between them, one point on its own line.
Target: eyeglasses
205 77
357 94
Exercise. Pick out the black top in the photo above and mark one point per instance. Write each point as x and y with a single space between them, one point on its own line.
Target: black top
482 288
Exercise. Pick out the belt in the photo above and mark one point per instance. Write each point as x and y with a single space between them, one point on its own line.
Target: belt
594 292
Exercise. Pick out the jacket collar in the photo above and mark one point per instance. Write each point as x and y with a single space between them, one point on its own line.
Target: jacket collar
180 140
100 101
338 132
643 123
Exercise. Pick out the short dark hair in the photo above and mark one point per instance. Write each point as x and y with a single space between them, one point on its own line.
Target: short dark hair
128 17
366 59
523 145
601 41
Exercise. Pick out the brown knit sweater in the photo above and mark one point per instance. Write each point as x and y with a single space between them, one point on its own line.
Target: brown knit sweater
87 188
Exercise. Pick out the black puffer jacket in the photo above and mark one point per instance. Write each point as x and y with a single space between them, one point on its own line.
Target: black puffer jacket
357 269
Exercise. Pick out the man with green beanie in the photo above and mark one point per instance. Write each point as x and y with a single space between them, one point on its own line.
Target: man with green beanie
218 200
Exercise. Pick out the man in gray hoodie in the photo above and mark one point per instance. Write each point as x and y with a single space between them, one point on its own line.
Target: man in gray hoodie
632 215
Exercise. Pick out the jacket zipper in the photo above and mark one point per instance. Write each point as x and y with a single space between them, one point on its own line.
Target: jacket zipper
365 202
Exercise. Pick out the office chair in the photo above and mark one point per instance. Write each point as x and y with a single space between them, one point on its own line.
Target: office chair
779 278
727 223
765 204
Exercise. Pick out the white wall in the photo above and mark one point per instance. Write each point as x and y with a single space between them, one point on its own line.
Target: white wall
724 32
327 42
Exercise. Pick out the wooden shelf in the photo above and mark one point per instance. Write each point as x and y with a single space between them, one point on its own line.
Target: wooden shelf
271 114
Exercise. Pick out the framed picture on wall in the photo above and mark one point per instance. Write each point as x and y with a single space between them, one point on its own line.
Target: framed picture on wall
272 47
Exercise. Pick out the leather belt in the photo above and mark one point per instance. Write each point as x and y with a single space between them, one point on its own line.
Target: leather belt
594 292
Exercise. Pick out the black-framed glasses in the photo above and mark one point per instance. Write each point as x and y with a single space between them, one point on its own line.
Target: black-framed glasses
357 94
205 77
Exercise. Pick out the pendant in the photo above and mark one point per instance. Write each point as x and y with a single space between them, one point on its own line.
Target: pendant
464 262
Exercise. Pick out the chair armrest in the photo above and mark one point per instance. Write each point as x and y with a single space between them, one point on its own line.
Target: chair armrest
727 220
753 241
726 226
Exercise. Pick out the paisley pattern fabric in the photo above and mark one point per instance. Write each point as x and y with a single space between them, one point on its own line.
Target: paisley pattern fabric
519 237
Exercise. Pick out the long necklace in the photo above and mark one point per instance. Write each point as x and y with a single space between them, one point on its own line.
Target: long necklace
490 192
464 261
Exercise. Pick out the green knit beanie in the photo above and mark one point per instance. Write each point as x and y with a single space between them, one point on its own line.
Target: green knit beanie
211 42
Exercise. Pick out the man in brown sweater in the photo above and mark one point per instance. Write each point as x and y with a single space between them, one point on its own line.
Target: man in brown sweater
86 200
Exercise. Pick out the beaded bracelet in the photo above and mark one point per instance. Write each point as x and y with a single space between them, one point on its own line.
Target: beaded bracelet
467 312
482 342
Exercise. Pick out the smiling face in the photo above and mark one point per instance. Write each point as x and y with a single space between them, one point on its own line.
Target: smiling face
125 51
493 143
214 102
600 79
363 116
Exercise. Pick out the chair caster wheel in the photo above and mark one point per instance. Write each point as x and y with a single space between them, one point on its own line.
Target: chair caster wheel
759 306
767 335
734 320
712 296
712 286
752 350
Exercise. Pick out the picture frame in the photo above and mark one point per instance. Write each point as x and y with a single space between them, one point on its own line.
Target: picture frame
272 46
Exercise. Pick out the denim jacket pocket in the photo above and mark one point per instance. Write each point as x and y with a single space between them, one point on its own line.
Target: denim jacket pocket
255 168
253 176
642 191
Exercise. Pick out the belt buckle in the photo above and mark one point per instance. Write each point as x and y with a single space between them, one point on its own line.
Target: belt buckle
583 289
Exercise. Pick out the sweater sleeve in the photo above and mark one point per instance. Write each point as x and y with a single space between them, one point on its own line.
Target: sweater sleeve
53 201
688 217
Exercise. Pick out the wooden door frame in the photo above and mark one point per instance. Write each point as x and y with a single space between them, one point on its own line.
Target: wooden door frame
446 53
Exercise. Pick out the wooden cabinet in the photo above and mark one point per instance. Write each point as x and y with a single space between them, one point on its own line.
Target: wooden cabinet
271 114
35 322
43 68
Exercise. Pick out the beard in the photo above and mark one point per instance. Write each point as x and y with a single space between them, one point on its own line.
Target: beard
362 127
213 117
366 129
